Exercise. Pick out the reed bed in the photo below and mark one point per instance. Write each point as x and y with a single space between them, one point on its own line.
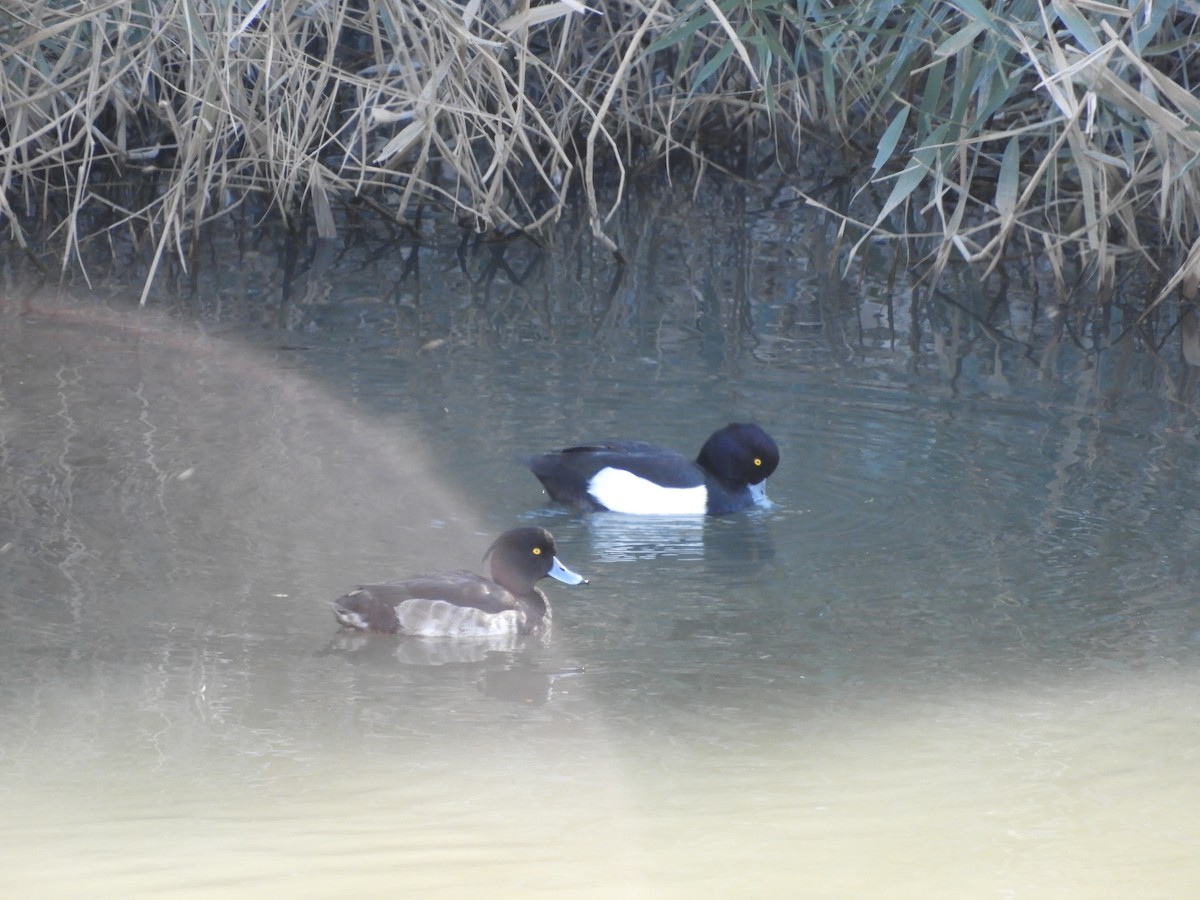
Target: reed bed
1068 131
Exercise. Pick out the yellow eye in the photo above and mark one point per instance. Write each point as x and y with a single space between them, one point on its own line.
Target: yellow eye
757 461
537 551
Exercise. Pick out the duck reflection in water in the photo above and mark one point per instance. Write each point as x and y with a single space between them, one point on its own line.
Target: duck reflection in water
508 668
617 537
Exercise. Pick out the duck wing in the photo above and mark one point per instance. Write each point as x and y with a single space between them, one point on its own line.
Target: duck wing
650 461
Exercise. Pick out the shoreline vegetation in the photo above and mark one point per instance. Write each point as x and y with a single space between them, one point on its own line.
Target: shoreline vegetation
1065 133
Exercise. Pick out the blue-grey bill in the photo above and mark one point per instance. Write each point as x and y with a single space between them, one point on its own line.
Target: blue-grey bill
565 575
758 493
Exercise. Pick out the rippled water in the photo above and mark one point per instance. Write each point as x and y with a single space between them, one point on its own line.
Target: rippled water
958 657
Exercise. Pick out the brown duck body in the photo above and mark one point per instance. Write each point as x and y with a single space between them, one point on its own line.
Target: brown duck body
452 604
465 604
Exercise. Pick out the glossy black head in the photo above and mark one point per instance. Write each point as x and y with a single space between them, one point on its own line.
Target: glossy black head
523 556
741 453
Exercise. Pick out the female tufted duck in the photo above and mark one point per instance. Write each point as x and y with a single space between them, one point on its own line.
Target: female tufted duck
463 604
635 477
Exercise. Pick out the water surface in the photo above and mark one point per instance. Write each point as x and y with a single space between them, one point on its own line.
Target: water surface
958 657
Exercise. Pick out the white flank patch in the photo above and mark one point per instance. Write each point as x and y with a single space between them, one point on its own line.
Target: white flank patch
622 491
437 618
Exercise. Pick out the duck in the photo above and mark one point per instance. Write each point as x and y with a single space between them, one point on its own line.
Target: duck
640 478
464 604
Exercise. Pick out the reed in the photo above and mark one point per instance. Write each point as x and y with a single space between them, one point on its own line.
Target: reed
1068 131
1064 130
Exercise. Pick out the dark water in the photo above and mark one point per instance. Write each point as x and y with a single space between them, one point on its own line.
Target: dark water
959 657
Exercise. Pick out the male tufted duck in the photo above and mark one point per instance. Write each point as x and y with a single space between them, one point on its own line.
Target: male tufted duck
636 477
463 604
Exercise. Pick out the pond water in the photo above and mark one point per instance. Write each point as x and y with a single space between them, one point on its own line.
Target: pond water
958 657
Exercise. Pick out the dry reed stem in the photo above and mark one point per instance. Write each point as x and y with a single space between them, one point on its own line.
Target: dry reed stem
1032 124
